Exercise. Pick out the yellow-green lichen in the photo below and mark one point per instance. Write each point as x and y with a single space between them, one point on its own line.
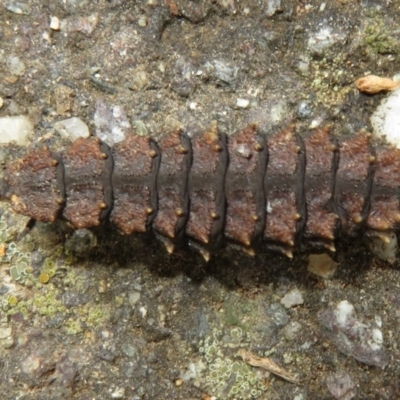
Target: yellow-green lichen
229 377
378 38
73 327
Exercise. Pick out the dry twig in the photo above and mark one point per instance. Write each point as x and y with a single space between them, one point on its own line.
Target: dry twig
266 363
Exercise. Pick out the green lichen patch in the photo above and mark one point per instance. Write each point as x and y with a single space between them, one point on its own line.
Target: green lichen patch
378 38
228 377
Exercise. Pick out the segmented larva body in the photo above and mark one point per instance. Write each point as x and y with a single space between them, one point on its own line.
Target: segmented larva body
212 190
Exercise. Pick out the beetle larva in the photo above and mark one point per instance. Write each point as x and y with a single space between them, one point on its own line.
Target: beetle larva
211 190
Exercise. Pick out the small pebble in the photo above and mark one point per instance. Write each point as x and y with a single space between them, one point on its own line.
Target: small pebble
54 23
1 102
279 112
17 128
178 382
31 364
224 72
386 118
72 128
292 330
102 286
304 111
293 298
85 25
133 298
341 386
143 311
112 124
242 103
18 7
142 21
273 7
325 37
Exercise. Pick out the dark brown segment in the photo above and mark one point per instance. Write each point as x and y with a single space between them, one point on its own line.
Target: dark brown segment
172 187
136 164
319 181
88 169
353 182
36 185
384 211
284 190
245 212
206 190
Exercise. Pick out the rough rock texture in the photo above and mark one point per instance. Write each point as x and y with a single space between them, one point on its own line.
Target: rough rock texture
125 320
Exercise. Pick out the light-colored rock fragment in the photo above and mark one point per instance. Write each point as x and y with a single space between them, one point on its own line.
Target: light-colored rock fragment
18 7
273 7
293 298
324 38
386 119
242 103
16 128
279 112
133 298
85 25
341 386
54 23
112 124
72 128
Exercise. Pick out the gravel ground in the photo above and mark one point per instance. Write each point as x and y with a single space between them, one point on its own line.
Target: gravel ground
95 315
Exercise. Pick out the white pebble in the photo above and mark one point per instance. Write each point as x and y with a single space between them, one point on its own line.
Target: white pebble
54 23
16 129
242 103
143 311
344 312
293 298
1 102
386 119
279 112
142 21
72 128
